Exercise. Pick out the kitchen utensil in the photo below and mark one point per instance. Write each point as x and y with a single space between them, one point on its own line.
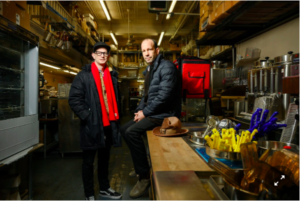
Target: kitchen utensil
60 41
222 154
212 122
262 146
249 155
237 127
196 137
47 34
224 123
224 170
237 194
265 155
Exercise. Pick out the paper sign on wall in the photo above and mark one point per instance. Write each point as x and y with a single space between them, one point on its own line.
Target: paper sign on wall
17 19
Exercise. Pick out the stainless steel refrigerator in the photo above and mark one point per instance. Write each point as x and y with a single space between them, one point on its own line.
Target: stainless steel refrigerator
19 126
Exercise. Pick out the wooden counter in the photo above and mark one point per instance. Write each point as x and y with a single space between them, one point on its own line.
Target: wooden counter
173 154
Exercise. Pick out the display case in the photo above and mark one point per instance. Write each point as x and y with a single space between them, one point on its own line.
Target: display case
18 89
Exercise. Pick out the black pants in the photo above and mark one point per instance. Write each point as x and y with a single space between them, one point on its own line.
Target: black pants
103 162
132 133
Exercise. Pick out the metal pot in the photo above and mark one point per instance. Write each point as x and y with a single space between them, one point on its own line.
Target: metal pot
47 36
196 137
264 63
68 45
216 64
214 153
284 67
262 146
288 58
235 194
59 43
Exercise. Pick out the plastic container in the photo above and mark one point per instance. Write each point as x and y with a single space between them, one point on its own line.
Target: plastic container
252 53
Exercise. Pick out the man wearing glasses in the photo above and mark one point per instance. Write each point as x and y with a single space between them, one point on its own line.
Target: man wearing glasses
161 99
94 99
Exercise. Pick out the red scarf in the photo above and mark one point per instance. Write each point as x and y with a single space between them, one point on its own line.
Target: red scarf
110 93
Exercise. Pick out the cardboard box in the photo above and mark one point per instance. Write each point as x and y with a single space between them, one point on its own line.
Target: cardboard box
219 14
206 24
22 4
227 5
216 4
206 8
175 47
15 14
202 3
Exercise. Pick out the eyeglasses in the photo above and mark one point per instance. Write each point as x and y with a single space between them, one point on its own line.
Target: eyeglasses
101 53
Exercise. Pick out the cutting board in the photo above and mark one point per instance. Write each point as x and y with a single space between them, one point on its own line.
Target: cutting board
173 154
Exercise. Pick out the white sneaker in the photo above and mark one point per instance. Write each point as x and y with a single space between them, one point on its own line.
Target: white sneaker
110 193
90 198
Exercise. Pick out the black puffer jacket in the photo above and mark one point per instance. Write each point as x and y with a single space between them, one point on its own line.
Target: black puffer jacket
164 95
84 101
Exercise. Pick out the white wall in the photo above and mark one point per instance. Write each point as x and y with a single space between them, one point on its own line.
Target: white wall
275 42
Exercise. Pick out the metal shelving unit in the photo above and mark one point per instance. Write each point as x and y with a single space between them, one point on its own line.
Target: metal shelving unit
224 55
249 20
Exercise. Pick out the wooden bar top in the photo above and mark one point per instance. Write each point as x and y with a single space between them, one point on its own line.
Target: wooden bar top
173 154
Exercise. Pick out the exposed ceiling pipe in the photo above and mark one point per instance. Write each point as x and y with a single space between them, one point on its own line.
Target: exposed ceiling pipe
119 7
183 20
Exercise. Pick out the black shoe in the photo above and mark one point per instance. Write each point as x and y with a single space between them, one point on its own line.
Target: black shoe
110 193
90 198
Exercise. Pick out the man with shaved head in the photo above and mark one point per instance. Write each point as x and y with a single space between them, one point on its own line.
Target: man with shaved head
161 99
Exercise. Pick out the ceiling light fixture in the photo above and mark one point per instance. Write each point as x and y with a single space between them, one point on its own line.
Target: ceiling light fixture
105 10
171 9
160 38
73 73
50 66
113 37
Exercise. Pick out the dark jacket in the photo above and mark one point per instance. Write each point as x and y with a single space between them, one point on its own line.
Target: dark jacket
164 95
84 101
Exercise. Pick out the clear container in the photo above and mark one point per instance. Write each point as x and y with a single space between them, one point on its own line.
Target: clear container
252 53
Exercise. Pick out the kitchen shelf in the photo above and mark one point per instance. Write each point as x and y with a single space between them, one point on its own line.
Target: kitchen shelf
131 78
60 26
129 51
224 55
250 19
13 29
247 62
129 68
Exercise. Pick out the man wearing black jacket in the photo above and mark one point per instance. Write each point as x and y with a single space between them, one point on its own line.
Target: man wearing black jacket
161 100
94 99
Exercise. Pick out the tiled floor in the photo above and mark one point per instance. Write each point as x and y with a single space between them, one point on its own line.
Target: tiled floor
57 178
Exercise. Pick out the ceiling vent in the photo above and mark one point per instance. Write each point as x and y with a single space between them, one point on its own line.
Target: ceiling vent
158 6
